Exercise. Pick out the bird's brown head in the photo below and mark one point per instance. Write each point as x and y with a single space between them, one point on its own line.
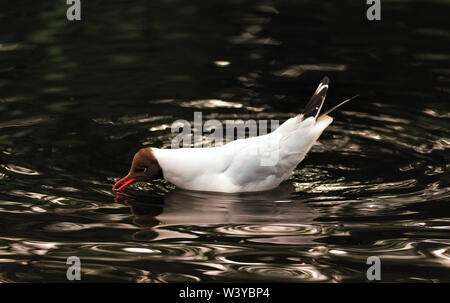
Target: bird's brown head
144 167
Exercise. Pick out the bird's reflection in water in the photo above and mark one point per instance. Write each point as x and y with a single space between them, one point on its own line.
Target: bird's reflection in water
270 217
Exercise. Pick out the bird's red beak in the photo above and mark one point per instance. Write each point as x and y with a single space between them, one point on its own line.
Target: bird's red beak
124 182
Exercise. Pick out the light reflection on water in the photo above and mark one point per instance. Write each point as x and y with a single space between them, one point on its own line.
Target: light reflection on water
73 112
319 226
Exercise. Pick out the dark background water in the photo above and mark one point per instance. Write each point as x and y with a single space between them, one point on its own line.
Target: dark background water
77 99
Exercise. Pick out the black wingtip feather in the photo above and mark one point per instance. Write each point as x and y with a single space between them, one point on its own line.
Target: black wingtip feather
313 107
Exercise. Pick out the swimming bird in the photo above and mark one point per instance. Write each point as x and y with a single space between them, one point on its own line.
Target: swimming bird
245 165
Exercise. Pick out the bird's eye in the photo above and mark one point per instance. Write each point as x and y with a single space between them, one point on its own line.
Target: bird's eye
140 170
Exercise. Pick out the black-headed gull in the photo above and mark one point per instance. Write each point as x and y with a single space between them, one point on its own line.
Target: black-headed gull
245 165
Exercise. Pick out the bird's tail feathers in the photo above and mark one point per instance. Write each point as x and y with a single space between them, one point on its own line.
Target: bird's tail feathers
339 105
313 107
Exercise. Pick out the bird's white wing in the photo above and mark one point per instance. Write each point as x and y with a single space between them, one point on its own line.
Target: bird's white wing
271 159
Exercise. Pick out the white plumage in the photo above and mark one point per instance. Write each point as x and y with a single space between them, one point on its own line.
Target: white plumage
245 165
248 165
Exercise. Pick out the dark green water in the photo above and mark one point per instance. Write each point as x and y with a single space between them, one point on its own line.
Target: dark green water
78 99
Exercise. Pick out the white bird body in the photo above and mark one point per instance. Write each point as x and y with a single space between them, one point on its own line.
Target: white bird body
244 165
